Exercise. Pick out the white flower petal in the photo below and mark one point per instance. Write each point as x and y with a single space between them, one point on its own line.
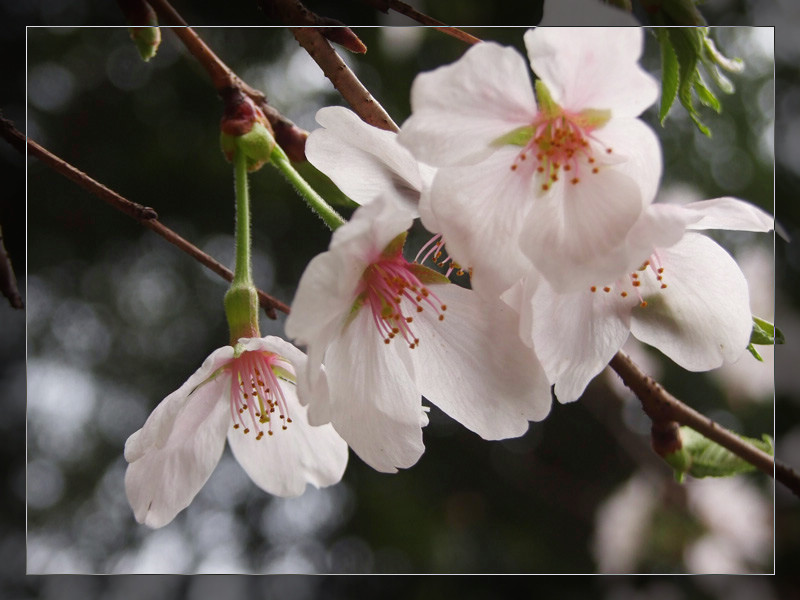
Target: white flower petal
161 422
275 345
703 316
481 212
371 228
474 367
362 160
375 405
321 303
326 291
175 452
576 335
458 110
729 213
572 235
638 144
593 67
284 462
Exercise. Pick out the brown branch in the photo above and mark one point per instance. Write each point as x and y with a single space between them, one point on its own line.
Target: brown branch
145 215
293 12
422 18
288 135
663 409
343 79
8 281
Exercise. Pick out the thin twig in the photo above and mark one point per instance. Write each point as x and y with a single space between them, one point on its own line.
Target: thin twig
422 18
145 215
288 135
293 12
343 79
8 281
662 408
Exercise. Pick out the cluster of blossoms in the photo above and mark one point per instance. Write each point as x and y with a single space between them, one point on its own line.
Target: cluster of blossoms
544 195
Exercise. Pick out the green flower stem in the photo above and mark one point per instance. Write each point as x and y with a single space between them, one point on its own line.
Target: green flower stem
241 299
242 274
331 218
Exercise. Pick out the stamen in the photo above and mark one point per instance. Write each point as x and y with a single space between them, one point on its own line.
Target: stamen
390 288
255 371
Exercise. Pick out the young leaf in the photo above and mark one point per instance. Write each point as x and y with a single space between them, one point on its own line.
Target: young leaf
684 41
669 74
754 352
691 47
765 333
700 457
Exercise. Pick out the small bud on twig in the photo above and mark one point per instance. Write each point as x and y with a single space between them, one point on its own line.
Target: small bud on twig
245 127
143 26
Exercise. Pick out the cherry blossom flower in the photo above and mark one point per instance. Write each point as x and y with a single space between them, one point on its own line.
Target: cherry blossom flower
389 330
246 394
681 293
364 161
568 175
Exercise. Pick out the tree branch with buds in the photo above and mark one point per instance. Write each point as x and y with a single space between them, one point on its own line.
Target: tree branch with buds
145 215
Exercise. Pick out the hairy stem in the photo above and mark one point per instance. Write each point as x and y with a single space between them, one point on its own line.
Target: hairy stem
243 273
331 218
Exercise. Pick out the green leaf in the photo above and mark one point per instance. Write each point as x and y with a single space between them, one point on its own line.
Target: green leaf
669 74
754 352
684 41
706 97
700 457
691 47
765 333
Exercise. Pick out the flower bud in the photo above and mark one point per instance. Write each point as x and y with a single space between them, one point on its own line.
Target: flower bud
143 28
245 128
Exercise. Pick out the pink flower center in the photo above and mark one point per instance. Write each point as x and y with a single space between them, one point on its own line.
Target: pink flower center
256 392
630 286
393 292
562 145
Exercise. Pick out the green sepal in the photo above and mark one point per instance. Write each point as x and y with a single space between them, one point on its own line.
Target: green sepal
518 137
426 275
282 373
594 118
357 304
545 101
395 247
700 457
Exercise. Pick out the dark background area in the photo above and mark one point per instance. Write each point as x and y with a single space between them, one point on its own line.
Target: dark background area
117 318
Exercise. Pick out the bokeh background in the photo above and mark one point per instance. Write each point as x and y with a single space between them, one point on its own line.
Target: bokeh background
117 319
